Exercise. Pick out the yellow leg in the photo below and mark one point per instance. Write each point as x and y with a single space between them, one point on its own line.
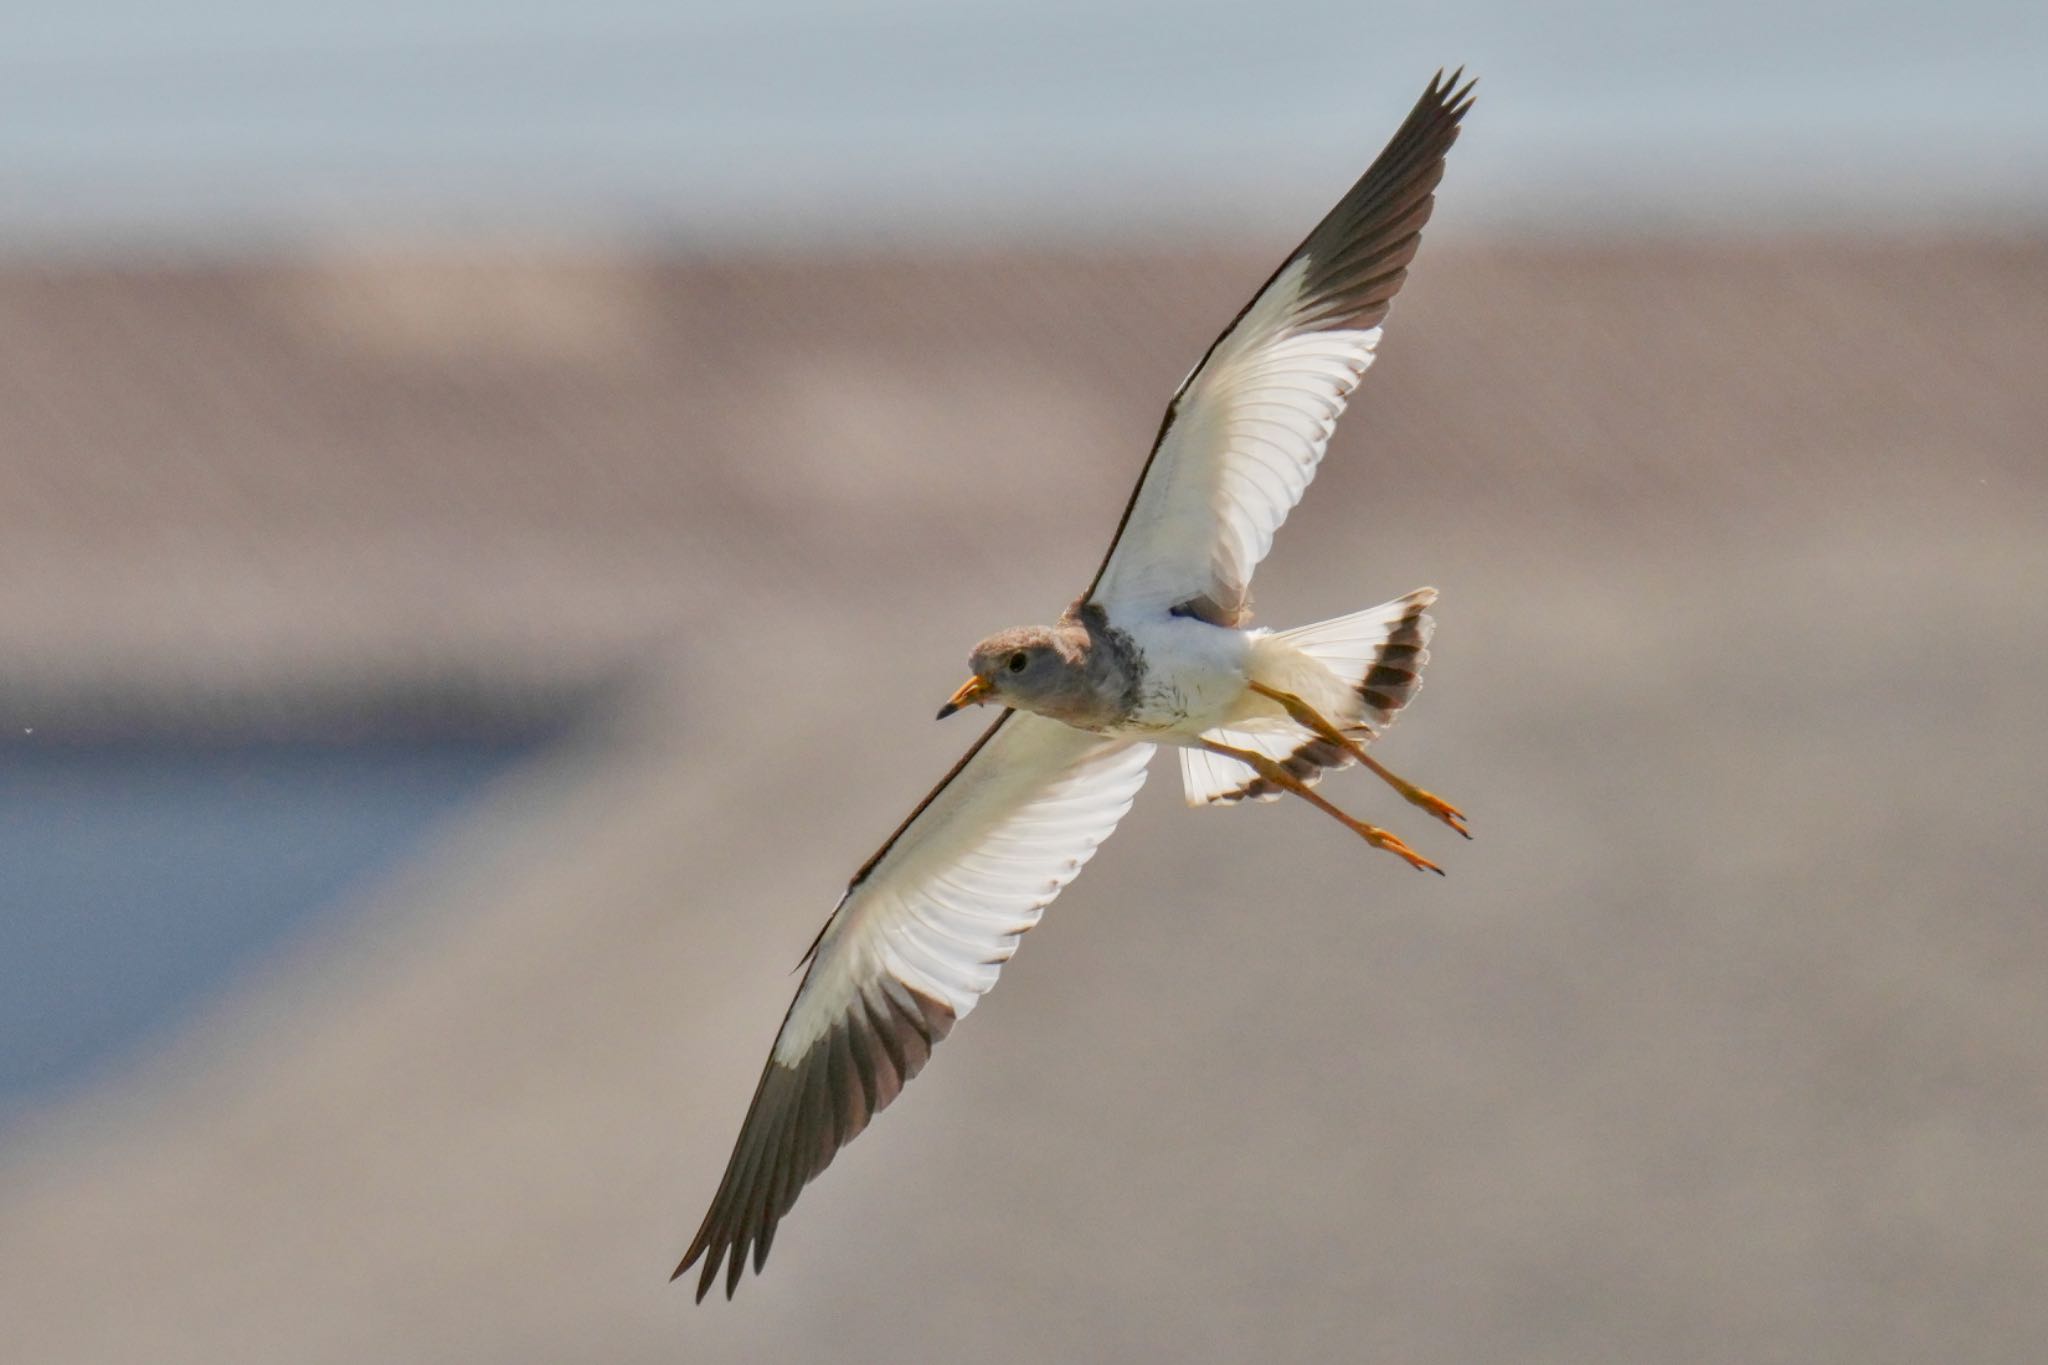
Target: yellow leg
1280 777
1305 715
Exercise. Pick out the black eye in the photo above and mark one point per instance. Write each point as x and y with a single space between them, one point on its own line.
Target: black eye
1018 660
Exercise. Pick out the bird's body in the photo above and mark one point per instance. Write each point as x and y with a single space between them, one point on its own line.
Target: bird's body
1157 651
1170 679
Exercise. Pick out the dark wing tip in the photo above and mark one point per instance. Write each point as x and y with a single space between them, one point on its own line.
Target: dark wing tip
802 1115
1429 130
1447 93
1358 255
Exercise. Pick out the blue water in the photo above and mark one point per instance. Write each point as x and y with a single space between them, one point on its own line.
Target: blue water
139 879
226 122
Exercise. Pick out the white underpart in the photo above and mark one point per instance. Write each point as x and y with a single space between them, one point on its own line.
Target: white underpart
1248 431
944 908
1194 674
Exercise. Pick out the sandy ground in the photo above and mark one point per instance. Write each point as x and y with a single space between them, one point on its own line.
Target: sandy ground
1723 1042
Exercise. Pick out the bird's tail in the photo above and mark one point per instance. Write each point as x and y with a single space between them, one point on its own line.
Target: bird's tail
1359 671
1379 652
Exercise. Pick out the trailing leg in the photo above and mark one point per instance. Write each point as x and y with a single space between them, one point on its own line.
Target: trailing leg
1308 717
1280 777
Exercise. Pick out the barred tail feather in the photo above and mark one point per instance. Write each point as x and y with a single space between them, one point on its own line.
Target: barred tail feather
1380 651
1370 663
1212 778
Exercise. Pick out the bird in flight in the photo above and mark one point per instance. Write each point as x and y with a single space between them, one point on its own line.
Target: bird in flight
1156 651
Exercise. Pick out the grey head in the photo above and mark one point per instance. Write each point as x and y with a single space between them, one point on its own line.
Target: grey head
1061 671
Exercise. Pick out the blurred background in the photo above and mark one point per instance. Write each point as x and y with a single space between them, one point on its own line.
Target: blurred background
491 495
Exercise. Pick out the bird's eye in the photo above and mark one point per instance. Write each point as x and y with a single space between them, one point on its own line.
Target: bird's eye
1018 660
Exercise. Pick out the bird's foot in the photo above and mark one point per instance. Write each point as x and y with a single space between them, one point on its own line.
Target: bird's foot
1392 843
1416 796
1435 805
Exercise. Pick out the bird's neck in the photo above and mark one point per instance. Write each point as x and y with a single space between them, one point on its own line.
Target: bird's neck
1106 666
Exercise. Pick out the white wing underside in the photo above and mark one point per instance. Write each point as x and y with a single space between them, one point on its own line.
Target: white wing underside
1242 444
943 908
914 944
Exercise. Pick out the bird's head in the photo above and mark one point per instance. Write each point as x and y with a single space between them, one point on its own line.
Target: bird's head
1028 667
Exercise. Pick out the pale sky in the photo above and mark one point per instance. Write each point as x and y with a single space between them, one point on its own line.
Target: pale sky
230 121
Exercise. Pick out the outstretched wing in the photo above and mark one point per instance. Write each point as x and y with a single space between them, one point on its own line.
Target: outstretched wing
915 942
1242 438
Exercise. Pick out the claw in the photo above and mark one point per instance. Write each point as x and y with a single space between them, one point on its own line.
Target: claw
1440 808
1391 842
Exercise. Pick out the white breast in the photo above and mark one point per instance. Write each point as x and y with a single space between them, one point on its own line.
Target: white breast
1194 673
